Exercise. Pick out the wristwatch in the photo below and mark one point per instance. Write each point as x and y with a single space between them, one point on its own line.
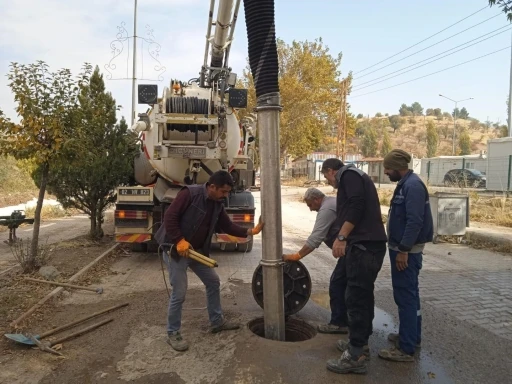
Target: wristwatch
342 238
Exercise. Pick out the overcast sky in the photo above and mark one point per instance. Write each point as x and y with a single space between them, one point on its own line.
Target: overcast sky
66 34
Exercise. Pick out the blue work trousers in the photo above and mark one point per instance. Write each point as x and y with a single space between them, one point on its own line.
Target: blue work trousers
407 297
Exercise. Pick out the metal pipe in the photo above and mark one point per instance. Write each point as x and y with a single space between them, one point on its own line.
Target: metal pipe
221 32
208 32
510 98
231 33
134 74
268 108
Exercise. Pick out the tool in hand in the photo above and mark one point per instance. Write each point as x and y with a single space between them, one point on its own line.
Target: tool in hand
202 259
98 290
20 338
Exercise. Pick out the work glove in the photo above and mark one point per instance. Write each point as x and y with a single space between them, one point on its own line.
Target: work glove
183 247
292 257
257 229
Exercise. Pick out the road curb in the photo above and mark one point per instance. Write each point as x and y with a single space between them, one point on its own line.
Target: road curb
60 289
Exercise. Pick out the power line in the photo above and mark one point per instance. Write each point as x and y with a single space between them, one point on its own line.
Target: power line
412 46
430 46
433 73
374 82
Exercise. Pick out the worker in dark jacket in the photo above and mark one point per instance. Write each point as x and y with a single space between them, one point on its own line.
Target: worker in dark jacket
409 228
362 242
189 223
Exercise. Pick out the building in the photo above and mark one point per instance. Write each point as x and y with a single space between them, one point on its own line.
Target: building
374 167
433 169
309 166
499 164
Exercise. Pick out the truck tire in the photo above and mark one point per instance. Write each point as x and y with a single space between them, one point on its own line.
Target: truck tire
230 247
245 247
139 247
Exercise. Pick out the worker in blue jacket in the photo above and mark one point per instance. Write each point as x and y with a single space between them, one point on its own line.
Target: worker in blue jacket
410 227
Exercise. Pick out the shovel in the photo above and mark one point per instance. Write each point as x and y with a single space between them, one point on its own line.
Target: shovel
22 339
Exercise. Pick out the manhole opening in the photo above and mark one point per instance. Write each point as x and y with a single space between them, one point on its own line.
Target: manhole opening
295 330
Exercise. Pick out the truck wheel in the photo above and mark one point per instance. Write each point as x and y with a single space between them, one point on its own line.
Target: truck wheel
246 247
230 247
139 247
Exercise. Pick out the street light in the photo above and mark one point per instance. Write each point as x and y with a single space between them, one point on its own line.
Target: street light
454 119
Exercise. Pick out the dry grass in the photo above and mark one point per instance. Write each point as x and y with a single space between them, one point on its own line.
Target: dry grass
385 195
294 182
47 212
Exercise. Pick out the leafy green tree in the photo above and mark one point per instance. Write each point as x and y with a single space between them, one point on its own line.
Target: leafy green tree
360 116
456 113
369 144
361 128
463 114
432 139
47 104
386 143
464 143
309 86
505 5
445 130
416 109
396 122
88 179
447 115
429 112
378 114
403 110
503 130
438 112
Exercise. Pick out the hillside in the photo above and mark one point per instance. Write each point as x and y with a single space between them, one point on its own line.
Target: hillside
16 186
412 135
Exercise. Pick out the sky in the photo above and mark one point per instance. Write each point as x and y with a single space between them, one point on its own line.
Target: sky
67 33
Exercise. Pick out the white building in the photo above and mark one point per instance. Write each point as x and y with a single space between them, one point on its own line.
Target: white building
433 169
499 164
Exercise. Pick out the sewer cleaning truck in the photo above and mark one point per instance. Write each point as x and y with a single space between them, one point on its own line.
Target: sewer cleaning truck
189 132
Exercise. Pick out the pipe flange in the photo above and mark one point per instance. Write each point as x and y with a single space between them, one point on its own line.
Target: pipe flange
276 263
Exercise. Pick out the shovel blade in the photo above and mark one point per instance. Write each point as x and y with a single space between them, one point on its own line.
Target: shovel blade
20 338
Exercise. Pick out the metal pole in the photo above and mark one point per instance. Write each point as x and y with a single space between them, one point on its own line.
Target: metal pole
454 128
134 75
510 99
268 108
509 171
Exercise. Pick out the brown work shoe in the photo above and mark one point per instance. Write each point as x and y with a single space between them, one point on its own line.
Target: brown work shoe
395 354
343 346
332 329
225 326
395 339
345 364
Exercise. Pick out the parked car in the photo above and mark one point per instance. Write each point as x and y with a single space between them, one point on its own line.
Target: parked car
465 178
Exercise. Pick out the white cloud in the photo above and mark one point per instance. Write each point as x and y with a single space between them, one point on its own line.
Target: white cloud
66 34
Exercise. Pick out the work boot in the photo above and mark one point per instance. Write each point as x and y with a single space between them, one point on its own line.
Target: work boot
175 340
331 328
343 346
395 354
395 339
225 326
345 364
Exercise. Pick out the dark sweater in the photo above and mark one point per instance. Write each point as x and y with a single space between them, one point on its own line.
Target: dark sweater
177 209
358 203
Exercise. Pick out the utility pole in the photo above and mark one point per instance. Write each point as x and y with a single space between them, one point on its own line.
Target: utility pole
342 121
454 119
510 99
134 75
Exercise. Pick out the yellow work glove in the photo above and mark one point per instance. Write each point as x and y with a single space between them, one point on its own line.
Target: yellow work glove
292 257
257 229
182 247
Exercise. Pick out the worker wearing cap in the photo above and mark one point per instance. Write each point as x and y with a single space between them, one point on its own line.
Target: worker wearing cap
189 223
361 241
326 230
409 228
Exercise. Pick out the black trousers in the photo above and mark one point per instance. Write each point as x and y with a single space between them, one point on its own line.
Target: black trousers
363 263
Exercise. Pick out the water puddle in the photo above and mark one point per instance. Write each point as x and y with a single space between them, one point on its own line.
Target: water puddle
383 324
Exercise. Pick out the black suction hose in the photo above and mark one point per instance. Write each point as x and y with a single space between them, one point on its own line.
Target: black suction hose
261 34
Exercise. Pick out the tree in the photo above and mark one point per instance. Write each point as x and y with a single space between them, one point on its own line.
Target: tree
47 104
463 114
438 113
396 122
378 114
505 6
432 139
360 116
445 130
369 144
456 113
474 125
464 143
416 109
387 115
403 110
421 136
88 181
447 115
309 87
503 131
361 128
429 112
386 143
412 120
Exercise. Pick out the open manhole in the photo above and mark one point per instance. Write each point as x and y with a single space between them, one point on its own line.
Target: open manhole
296 286
295 330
